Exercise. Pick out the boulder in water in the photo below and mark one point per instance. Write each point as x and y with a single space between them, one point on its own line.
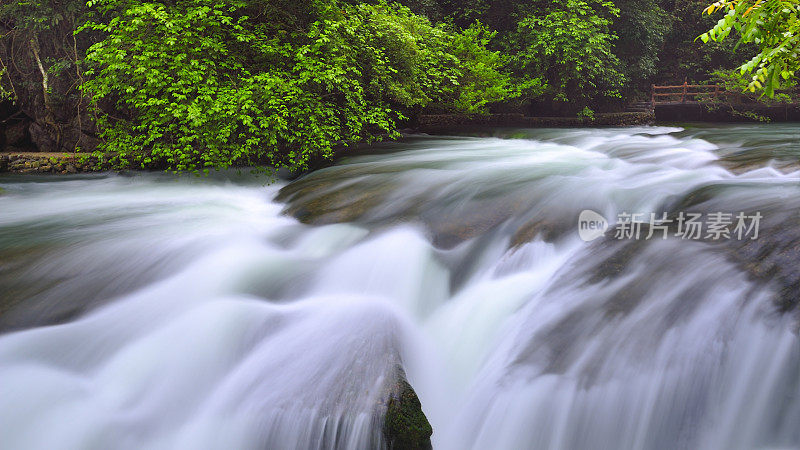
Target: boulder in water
405 426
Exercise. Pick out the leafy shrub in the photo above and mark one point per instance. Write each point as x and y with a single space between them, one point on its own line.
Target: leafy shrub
771 25
571 48
200 84
586 113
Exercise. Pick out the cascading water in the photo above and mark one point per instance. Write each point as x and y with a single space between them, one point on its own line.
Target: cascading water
152 311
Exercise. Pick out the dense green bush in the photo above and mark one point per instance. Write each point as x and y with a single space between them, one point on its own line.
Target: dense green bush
655 42
642 27
570 47
683 57
199 84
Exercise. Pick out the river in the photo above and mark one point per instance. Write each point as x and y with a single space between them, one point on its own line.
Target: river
158 311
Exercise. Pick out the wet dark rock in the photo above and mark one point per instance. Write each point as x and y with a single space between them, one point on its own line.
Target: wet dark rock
405 426
63 292
549 230
449 228
320 201
345 194
617 261
16 133
59 121
772 258
329 196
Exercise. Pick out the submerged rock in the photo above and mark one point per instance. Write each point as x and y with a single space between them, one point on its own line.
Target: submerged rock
369 197
772 256
320 201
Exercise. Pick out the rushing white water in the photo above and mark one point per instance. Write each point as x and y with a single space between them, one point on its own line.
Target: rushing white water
151 311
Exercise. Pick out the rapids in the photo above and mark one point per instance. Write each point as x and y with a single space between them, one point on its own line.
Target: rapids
161 312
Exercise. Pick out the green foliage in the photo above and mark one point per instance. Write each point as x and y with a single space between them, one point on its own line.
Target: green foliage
465 12
586 113
480 81
642 27
570 46
773 26
732 81
428 8
685 58
655 44
729 80
6 88
202 84
39 15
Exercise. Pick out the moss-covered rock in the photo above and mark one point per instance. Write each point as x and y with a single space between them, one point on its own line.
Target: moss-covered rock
63 163
405 425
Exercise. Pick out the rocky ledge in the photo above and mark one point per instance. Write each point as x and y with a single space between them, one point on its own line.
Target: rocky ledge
35 162
442 123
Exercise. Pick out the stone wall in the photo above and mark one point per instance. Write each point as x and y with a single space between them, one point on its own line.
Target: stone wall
465 122
31 162
712 112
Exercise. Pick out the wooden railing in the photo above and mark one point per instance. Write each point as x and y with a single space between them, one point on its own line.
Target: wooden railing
688 93
697 93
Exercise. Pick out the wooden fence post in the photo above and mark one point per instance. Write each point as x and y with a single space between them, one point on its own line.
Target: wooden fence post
683 96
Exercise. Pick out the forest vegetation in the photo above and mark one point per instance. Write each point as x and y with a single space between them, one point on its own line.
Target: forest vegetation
193 85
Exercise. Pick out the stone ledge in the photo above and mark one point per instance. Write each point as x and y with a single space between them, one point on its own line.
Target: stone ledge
460 122
36 162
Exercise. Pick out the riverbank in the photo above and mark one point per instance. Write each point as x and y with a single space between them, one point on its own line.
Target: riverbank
27 162
443 123
726 113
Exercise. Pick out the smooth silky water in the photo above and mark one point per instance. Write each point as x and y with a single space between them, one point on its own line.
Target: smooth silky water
161 312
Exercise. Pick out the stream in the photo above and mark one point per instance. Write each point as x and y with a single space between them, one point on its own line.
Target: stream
155 311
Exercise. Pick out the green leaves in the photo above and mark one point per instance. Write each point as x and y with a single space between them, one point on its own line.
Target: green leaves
571 48
773 26
211 83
